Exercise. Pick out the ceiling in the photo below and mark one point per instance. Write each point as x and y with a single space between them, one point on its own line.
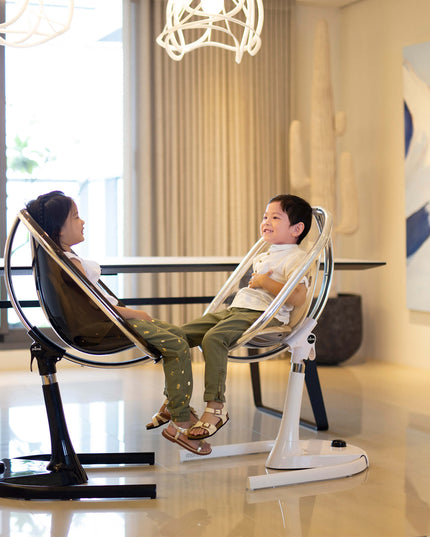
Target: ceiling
327 3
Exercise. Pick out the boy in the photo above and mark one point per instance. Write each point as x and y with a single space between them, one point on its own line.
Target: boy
286 222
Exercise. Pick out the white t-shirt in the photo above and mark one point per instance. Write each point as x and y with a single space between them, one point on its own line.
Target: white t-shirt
93 272
282 259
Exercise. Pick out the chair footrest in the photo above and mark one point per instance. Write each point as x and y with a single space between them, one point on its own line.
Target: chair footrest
133 458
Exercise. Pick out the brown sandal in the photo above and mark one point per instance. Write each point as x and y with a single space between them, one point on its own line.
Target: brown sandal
160 418
176 439
210 428
163 416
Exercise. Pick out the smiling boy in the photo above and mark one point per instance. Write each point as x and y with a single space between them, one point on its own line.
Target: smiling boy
285 224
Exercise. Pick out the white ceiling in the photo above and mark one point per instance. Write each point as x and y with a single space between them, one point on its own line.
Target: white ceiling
327 3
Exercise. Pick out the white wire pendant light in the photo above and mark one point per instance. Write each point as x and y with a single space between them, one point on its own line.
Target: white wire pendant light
230 24
35 22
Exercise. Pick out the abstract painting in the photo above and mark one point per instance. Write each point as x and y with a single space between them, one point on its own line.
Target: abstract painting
416 87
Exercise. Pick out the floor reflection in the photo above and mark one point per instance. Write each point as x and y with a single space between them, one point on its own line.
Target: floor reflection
71 519
382 408
296 503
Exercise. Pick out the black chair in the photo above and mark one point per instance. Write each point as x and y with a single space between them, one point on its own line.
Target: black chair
84 320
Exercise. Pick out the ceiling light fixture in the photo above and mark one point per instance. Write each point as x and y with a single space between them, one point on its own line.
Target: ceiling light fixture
35 23
230 24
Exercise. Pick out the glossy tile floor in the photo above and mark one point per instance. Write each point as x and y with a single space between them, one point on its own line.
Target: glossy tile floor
381 408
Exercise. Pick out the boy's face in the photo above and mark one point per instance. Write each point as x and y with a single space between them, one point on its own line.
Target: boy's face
276 228
72 231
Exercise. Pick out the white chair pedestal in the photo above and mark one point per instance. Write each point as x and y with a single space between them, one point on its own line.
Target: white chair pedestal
303 461
291 460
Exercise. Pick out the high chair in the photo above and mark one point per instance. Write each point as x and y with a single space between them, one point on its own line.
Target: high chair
311 460
85 321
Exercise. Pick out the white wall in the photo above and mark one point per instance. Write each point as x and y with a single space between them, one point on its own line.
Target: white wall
368 38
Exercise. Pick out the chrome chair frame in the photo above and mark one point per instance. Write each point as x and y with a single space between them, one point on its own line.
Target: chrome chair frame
271 342
322 248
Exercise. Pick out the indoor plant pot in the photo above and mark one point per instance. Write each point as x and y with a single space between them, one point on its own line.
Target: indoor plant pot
339 330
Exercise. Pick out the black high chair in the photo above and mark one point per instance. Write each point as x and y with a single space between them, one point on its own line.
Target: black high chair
85 321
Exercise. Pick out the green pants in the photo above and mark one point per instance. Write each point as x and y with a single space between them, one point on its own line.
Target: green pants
215 332
170 341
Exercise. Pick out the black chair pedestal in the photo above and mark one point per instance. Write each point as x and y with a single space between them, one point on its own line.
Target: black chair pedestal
63 477
64 462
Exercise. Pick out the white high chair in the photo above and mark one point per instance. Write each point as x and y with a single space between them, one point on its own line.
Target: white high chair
314 459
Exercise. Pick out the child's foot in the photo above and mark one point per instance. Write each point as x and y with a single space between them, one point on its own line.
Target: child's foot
163 416
213 418
176 432
160 418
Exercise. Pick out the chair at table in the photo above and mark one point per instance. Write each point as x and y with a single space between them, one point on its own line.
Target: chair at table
312 460
85 321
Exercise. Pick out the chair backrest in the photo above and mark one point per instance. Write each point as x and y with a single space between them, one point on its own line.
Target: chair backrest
76 319
76 309
269 340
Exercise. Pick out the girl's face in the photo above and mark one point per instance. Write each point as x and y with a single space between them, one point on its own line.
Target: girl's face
275 227
72 231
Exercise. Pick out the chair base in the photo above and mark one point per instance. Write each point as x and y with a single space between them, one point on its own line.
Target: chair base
311 453
310 461
60 475
28 478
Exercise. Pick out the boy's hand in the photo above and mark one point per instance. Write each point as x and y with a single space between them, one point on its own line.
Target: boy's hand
264 281
259 280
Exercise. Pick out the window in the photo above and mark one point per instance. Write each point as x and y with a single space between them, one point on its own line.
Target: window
64 124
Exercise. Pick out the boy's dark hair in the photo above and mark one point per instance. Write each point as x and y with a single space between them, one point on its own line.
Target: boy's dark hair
298 210
51 211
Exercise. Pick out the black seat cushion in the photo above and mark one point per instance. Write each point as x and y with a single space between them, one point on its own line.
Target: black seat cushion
76 319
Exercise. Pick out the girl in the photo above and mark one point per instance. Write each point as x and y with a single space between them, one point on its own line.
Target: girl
58 215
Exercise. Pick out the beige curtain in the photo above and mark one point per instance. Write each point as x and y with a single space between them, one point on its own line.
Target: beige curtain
212 149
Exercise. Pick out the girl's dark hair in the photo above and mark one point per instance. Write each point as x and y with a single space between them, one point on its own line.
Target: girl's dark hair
51 211
298 210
